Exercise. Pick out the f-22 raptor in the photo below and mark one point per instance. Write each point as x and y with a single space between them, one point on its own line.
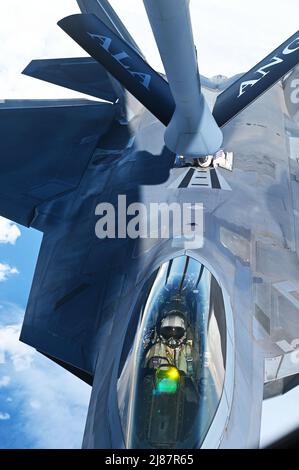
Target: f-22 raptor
181 325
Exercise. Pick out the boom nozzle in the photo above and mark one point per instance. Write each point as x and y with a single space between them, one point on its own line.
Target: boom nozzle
192 131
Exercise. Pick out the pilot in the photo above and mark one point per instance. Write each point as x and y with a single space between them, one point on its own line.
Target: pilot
171 345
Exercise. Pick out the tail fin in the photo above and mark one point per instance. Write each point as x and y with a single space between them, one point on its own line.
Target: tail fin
122 62
104 11
257 81
84 75
153 91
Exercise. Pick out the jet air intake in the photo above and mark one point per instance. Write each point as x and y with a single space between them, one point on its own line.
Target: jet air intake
192 131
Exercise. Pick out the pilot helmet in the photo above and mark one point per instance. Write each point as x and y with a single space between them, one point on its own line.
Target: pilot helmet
173 330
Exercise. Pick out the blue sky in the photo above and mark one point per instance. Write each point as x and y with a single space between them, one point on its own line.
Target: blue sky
41 405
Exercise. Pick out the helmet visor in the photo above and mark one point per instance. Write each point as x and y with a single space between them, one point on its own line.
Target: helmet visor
175 332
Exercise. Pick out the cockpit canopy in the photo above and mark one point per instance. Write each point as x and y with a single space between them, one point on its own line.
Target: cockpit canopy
175 371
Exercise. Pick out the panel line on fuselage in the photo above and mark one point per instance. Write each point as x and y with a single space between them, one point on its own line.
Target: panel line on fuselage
203 178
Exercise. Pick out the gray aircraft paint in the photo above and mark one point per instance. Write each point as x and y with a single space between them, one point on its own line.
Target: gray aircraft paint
84 289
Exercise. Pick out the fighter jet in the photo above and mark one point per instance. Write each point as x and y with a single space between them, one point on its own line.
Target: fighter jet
181 325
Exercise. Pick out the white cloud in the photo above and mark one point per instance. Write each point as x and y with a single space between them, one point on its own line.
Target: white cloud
52 402
228 40
2 358
20 355
40 38
4 381
4 416
6 270
36 405
9 232
10 314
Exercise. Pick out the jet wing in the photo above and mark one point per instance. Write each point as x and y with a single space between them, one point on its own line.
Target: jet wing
78 285
45 147
83 286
